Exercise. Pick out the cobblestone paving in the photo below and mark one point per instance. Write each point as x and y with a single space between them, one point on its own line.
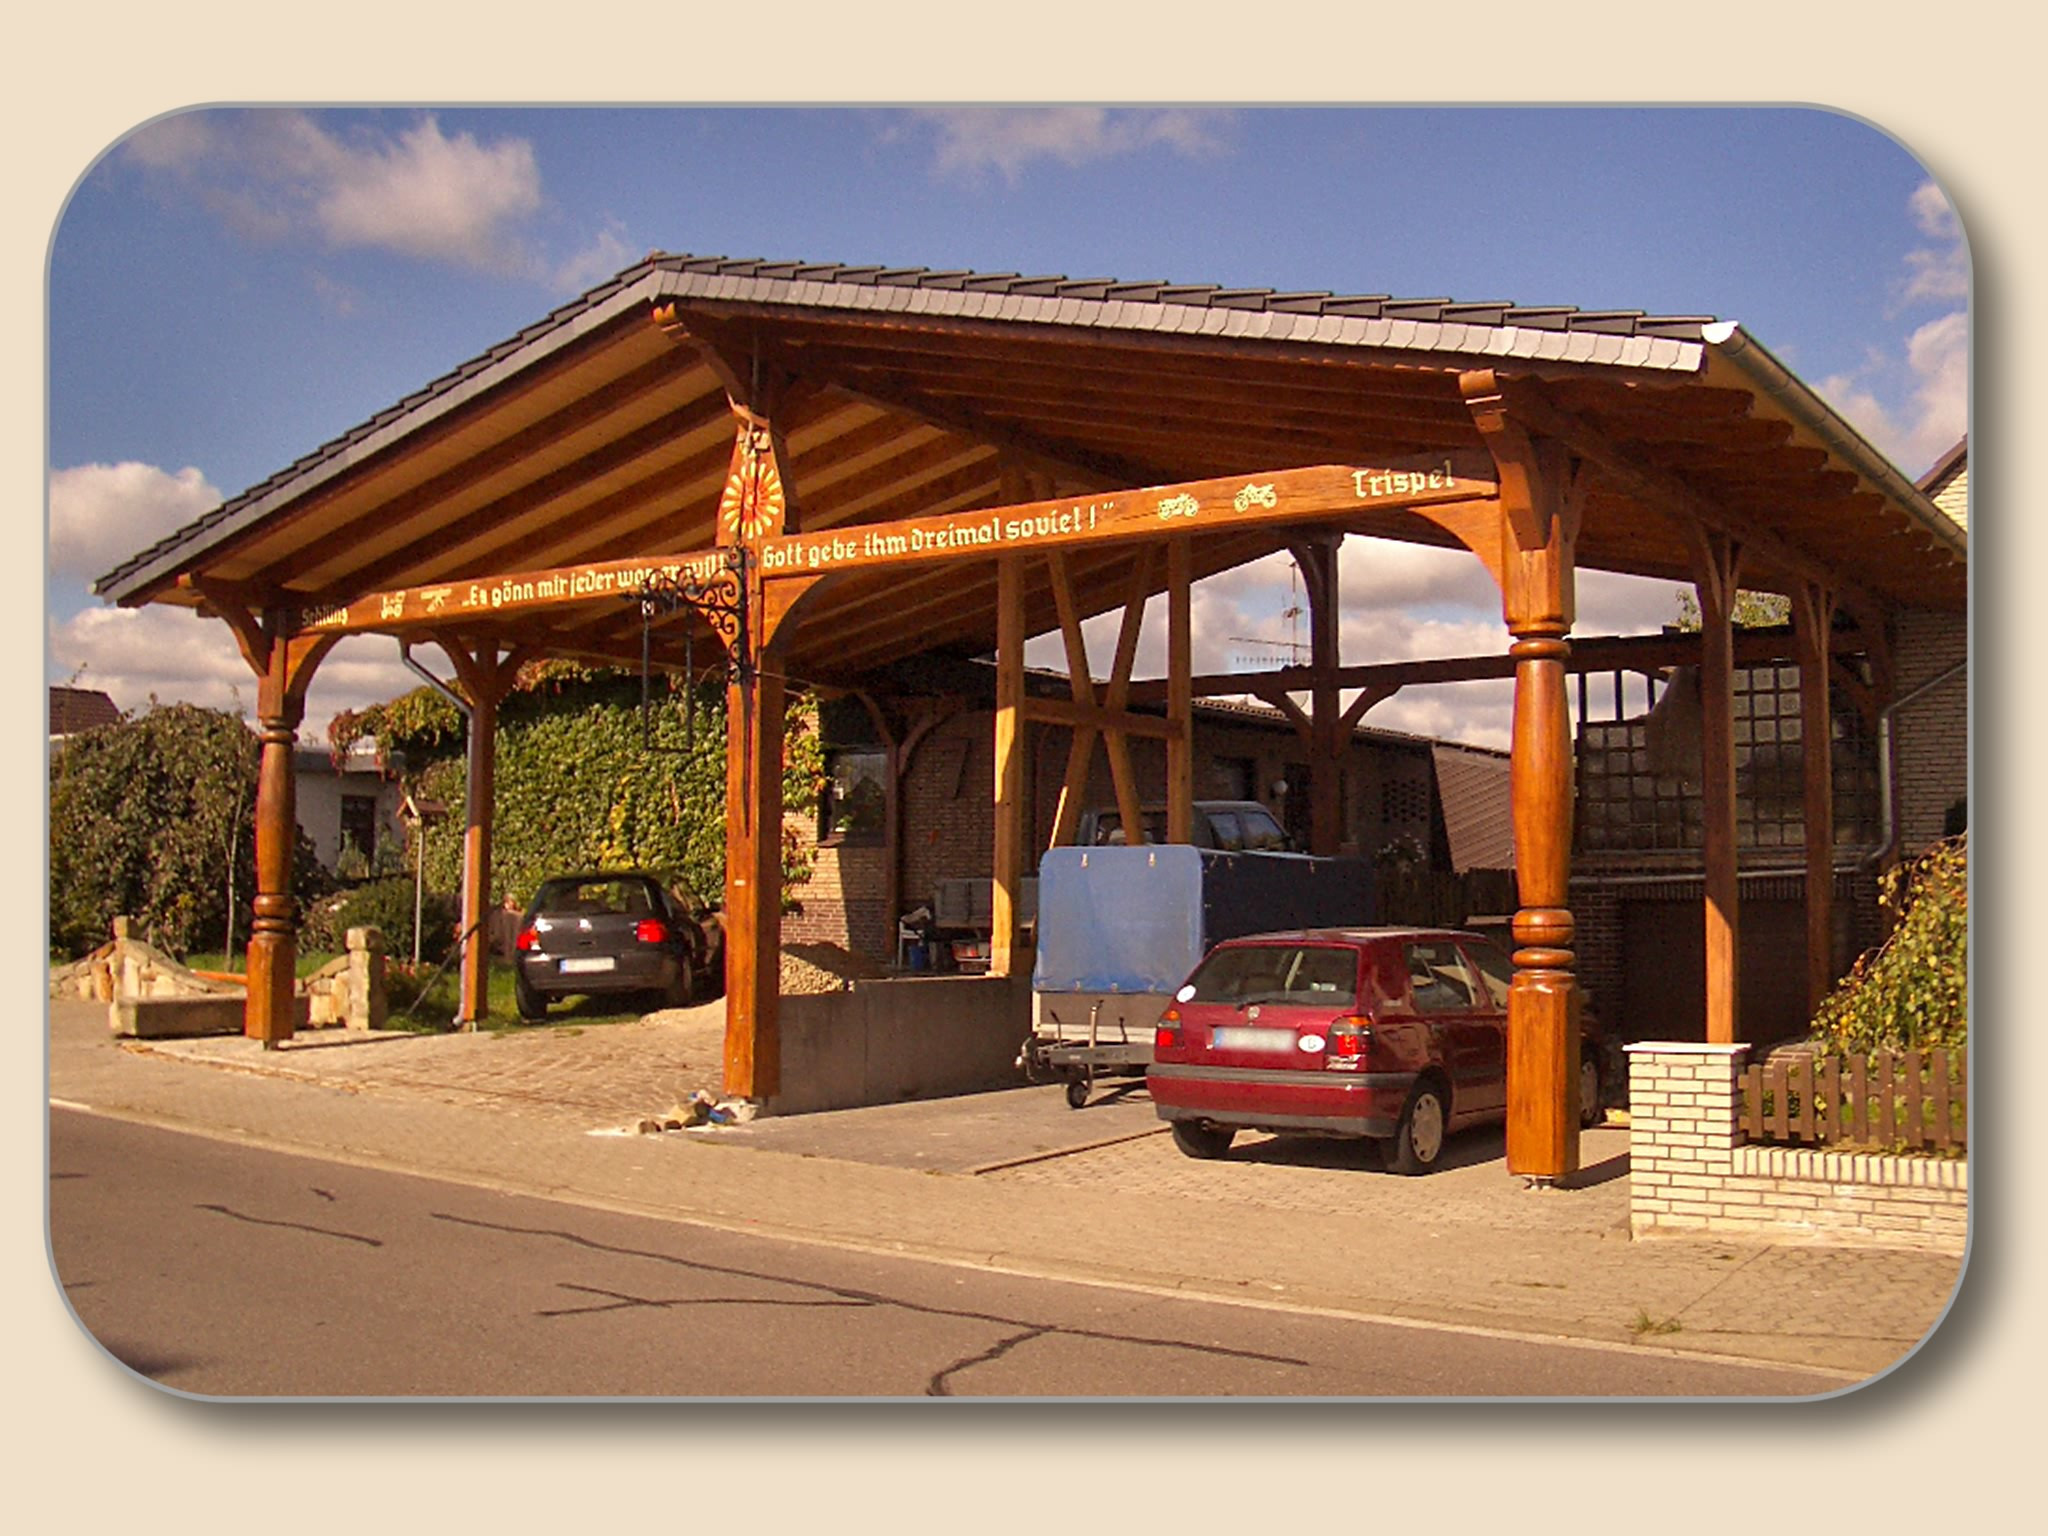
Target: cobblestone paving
585 1075
1287 1223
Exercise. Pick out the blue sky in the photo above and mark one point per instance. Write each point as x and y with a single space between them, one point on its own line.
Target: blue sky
227 290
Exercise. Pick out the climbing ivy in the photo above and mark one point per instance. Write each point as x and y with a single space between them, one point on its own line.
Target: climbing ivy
577 788
1912 992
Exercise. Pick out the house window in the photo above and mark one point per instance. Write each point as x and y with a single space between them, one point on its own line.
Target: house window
359 825
850 808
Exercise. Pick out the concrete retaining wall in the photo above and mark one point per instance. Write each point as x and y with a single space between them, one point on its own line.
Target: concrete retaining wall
919 1037
1690 1171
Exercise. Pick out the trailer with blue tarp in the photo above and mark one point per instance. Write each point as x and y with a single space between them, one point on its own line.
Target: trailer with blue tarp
1120 928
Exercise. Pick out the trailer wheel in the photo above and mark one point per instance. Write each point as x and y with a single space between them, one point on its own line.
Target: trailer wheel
1077 1093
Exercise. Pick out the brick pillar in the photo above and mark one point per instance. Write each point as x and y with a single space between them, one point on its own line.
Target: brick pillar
1682 1131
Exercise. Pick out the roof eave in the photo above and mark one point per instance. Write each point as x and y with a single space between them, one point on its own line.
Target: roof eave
144 575
1727 343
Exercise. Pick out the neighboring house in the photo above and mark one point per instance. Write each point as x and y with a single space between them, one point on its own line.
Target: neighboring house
1900 776
1451 802
351 803
78 709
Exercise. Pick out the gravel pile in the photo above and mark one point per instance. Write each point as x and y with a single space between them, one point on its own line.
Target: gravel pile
812 968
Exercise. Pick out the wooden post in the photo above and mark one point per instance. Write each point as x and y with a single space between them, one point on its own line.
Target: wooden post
1541 502
485 678
755 700
1813 623
1318 562
1011 836
1717 561
1180 712
285 666
273 940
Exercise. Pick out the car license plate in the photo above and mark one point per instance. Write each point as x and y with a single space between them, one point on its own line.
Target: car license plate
1252 1040
584 967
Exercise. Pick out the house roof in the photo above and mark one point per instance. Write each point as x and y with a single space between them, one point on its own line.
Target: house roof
80 709
603 432
1472 785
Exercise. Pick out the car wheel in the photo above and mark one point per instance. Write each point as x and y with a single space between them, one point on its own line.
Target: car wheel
1077 1093
1590 1112
1203 1141
681 992
533 1006
1419 1138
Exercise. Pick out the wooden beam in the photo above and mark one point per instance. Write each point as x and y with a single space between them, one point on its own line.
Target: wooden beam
1628 653
1180 714
1718 561
1813 617
1665 491
1010 836
1318 493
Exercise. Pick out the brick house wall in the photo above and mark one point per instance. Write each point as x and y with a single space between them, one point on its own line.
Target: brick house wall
948 823
1930 735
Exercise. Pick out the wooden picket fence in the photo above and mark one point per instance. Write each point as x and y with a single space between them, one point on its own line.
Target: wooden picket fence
1911 1099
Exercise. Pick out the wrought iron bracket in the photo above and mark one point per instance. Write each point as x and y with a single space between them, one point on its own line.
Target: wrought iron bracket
721 601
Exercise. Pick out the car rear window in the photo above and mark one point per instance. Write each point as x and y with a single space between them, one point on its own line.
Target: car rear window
1309 975
595 898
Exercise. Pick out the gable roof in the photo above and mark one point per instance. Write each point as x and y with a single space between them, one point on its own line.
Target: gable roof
603 432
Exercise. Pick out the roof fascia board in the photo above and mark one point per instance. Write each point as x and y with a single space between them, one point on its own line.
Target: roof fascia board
1519 343
1729 347
136 586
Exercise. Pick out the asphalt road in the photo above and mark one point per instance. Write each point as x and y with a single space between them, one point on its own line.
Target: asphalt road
222 1270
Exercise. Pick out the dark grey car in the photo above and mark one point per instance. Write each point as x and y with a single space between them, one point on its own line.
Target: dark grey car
610 932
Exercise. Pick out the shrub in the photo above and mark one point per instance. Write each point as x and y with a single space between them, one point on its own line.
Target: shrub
385 905
1912 991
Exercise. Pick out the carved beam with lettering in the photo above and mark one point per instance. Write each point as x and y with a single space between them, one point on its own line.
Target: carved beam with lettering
1319 493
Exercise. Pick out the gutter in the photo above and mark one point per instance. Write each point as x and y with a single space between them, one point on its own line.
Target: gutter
1727 342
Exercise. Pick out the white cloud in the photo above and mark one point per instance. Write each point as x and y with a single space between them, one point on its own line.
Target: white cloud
1914 408
174 655
972 140
100 514
421 192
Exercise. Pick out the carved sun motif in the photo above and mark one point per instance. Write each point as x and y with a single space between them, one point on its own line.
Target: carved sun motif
752 503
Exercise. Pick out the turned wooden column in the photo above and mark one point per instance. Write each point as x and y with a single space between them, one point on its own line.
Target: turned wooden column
1541 498
273 937
284 665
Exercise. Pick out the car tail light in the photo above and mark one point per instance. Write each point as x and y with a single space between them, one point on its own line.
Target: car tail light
651 930
1166 1036
527 939
1348 1039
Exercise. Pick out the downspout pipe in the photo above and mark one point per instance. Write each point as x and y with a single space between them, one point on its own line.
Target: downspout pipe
1727 342
1887 808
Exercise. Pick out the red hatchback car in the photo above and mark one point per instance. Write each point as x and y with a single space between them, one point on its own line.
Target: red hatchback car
1399 1034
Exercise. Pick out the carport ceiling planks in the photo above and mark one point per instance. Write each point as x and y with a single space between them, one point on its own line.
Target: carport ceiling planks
603 433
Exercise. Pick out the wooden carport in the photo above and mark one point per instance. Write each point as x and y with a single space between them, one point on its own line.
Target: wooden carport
828 468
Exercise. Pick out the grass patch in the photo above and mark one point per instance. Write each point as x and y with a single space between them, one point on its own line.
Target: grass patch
1646 1326
309 961
425 1002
